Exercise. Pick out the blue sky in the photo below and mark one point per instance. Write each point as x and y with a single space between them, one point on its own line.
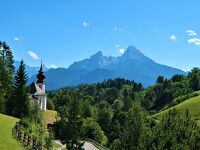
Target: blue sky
63 31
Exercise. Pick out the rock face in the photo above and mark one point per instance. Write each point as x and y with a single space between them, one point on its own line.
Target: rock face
132 65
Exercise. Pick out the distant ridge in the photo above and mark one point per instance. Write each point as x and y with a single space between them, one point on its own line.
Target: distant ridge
30 70
132 65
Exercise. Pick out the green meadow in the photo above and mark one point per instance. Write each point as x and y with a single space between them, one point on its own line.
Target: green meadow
7 142
192 104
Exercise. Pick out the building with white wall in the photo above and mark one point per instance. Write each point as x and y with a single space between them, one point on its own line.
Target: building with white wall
37 90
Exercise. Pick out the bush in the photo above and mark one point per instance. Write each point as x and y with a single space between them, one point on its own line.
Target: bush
93 131
37 131
50 105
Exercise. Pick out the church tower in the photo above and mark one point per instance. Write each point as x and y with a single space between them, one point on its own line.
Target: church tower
37 90
42 100
41 79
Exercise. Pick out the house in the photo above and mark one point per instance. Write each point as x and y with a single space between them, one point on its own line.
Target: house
37 90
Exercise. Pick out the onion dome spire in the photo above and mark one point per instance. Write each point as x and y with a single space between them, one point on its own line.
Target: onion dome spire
40 75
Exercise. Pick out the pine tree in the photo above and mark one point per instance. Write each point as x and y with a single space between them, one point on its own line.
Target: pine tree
7 66
6 75
127 100
195 82
20 101
2 90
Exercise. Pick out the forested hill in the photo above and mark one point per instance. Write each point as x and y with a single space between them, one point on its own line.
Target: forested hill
132 65
113 110
154 98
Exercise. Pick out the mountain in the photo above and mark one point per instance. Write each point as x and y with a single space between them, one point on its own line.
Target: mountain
60 77
95 61
132 65
30 70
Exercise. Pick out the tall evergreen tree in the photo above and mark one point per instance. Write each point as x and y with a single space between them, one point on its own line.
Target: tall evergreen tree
2 100
127 100
160 80
195 82
20 101
7 64
6 74
2 89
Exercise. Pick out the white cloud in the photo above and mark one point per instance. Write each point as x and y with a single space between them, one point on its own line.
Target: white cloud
121 50
33 55
173 37
117 46
118 29
191 32
195 41
85 24
53 66
16 39
186 69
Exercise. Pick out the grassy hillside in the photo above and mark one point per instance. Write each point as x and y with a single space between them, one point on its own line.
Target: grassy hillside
178 100
49 116
192 104
6 140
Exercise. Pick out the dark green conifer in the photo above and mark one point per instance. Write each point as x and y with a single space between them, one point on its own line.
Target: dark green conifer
6 75
20 101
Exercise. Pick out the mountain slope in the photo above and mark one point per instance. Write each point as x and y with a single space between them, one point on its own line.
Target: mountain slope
192 104
60 77
131 62
132 65
30 70
97 75
96 61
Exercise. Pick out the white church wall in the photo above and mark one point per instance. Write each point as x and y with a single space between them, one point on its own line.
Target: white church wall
42 86
42 102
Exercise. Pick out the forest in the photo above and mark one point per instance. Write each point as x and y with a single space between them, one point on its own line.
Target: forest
116 113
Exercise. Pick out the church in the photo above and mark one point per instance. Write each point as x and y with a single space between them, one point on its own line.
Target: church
37 90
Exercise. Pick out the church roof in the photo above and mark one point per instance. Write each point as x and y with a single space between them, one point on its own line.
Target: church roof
36 90
40 75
